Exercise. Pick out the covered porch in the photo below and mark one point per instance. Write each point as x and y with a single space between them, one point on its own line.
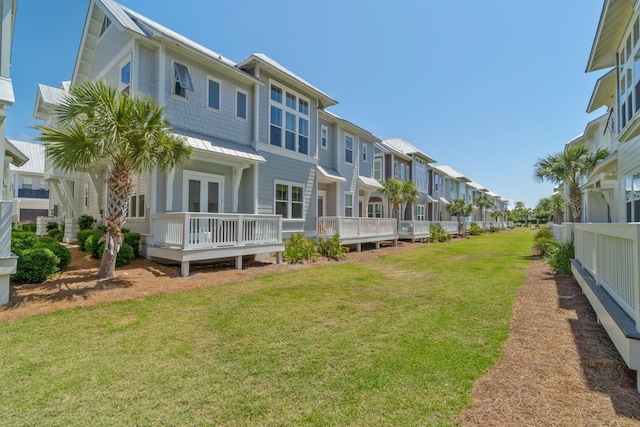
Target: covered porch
189 236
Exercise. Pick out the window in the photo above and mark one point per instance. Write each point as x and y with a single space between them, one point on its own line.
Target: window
289 200
374 210
106 23
125 78
136 200
632 190
401 171
213 94
364 152
182 81
296 120
324 134
628 101
241 105
420 213
348 149
27 182
348 205
377 169
421 174
86 195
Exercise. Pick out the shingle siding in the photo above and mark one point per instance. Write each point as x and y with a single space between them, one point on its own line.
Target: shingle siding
108 48
147 72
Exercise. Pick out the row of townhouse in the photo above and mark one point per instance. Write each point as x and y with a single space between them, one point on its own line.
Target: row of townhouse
270 159
607 243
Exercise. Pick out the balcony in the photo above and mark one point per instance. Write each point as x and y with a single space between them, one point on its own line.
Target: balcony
40 193
188 236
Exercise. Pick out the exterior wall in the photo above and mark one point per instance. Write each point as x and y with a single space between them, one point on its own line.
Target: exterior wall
628 164
147 71
193 113
326 157
111 45
301 173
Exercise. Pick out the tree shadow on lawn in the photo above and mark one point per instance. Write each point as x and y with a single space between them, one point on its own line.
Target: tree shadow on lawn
602 366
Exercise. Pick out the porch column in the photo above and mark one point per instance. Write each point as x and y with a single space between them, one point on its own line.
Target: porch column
169 193
236 178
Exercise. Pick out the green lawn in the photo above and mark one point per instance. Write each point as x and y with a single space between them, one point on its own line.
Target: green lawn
395 341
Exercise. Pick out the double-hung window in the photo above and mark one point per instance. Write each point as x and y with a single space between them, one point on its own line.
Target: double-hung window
213 94
348 149
182 81
136 200
364 152
377 168
324 135
348 205
289 200
421 174
290 111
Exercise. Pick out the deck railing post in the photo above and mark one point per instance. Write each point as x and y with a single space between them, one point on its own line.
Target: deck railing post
186 228
239 231
636 278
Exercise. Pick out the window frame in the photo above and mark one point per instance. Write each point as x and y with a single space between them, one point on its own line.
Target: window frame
420 216
324 141
106 24
301 142
246 104
364 152
347 206
348 152
378 161
290 202
86 195
126 87
206 178
178 80
374 210
211 79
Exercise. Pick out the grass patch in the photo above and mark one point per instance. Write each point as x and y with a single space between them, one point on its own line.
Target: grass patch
395 341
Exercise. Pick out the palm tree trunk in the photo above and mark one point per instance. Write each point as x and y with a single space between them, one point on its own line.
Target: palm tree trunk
119 185
575 202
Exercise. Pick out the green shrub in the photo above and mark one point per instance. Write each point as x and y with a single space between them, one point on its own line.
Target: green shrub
494 229
299 249
543 233
52 226
544 246
61 251
332 248
93 245
82 238
27 226
133 239
125 255
21 240
85 222
475 229
36 265
102 228
559 258
55 234
438 234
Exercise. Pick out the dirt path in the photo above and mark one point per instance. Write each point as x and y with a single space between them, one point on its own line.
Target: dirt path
559 368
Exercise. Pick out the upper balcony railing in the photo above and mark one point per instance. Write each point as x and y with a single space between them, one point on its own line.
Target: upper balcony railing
40 193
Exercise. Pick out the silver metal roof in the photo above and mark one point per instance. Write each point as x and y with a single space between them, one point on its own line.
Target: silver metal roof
223 147
36 154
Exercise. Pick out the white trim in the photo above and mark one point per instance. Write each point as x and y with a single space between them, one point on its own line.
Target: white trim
293 111
353 141
322 194
117 59
174 95
162 75
326 129
202 177
207 106
289 184
273 149
246 105
348 193
364 152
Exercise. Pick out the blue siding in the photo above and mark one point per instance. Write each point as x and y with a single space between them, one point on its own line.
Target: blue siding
108 47
147 72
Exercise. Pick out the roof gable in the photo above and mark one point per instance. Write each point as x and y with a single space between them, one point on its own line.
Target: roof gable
614 19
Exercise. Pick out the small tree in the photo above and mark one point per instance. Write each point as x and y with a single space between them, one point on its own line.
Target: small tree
392 191
459 207
557 204
483 201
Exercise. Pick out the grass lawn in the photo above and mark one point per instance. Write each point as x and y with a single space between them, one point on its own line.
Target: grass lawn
394 341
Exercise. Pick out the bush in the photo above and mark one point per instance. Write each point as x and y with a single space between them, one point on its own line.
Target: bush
52 226
61 251
22 240
438 234
27 226
85 222
494 229
36 265
93 245
332 248
299 249
543 233
82 238
133 239
559 257
544 246
55 234
125 255
475 229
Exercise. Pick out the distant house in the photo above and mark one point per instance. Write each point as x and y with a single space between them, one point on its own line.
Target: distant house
30 190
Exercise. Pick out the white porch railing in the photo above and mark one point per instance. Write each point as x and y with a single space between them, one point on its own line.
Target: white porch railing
414 229
562 232
351 228
451 227
188 230
611 254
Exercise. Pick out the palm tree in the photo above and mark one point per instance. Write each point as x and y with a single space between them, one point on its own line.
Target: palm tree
392 191
569 167
482 201
97 126
496 215
556 203
544 208
458 207
409 194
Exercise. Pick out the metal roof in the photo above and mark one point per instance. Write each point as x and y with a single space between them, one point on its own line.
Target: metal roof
331 174
223 147
36 154
369 182
405 147
452 172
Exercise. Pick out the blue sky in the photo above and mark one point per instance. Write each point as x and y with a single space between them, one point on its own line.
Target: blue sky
487 87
